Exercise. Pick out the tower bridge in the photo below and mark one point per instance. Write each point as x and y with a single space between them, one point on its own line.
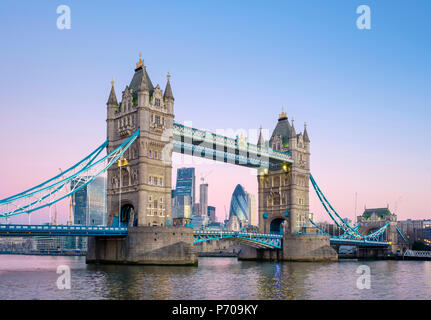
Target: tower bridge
141 136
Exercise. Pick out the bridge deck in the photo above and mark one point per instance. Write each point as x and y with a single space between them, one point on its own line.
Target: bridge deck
50 230
261 240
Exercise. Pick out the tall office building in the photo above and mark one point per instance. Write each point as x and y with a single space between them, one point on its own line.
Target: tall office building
89 202
239 206
203 199
183 208
252 209
185 185
212 214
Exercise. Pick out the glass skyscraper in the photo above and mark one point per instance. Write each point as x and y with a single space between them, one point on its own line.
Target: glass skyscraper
89 203
239 206
184 194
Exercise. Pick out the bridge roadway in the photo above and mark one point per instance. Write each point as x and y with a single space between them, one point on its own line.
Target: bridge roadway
259 240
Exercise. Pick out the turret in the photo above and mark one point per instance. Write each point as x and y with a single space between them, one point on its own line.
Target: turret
292 136
168 97
260 141
143 90
112 105
306 138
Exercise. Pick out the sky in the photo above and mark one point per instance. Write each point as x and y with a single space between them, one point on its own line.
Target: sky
365 94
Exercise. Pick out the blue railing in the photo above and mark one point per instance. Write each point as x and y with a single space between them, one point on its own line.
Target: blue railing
51 230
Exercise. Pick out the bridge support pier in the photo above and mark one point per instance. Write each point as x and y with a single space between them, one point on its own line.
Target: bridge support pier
365 253
145 245
251 253
308 247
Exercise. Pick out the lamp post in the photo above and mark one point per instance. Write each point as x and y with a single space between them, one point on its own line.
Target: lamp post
121 163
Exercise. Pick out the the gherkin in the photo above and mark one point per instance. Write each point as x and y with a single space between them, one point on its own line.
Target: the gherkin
239 204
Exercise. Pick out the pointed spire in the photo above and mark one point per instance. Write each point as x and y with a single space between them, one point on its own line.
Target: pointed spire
306 138
112 100
260 141
292 130
168 90
143 85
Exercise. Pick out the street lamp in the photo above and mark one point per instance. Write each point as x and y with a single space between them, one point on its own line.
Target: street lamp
121 163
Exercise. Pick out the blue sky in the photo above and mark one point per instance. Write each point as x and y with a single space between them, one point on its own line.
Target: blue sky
365 94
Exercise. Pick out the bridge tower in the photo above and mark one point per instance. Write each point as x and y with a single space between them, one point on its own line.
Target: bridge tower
283 189
139 187
144 187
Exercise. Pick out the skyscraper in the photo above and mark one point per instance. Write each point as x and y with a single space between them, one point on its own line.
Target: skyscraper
89 202
212 213
239 206
252 209
185 185
203 199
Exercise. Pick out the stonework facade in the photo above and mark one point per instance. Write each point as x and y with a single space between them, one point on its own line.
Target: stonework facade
145 189
283 190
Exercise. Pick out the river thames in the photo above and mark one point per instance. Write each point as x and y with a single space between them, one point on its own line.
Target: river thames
35 277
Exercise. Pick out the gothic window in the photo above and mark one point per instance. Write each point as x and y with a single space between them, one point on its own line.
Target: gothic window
269 202
276 199
157 119
152 118
149 180
161 181
149 154
125 178
157 102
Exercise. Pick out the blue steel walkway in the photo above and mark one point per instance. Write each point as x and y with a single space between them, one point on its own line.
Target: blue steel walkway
258 240
50 230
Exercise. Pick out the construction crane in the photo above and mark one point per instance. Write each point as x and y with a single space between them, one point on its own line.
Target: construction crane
203 177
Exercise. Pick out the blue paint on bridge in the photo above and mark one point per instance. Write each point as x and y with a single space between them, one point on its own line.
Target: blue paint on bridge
50 230
259 240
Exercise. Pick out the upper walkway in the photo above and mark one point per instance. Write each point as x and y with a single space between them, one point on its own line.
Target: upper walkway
205 144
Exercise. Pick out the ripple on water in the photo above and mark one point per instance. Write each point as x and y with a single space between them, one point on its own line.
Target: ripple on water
35 277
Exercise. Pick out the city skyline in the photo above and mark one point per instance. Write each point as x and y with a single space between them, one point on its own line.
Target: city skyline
367 135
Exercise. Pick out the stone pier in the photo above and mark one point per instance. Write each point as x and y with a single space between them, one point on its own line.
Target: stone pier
308 247
301 247
145 245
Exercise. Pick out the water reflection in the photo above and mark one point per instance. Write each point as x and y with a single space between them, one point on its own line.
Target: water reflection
34 277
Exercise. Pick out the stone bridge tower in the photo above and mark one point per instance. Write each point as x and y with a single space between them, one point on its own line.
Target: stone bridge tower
374 218
139 191
283 190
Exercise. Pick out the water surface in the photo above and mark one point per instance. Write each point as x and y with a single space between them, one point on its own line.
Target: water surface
35 277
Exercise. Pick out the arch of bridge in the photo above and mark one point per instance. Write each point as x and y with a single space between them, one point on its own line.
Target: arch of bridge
278 224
